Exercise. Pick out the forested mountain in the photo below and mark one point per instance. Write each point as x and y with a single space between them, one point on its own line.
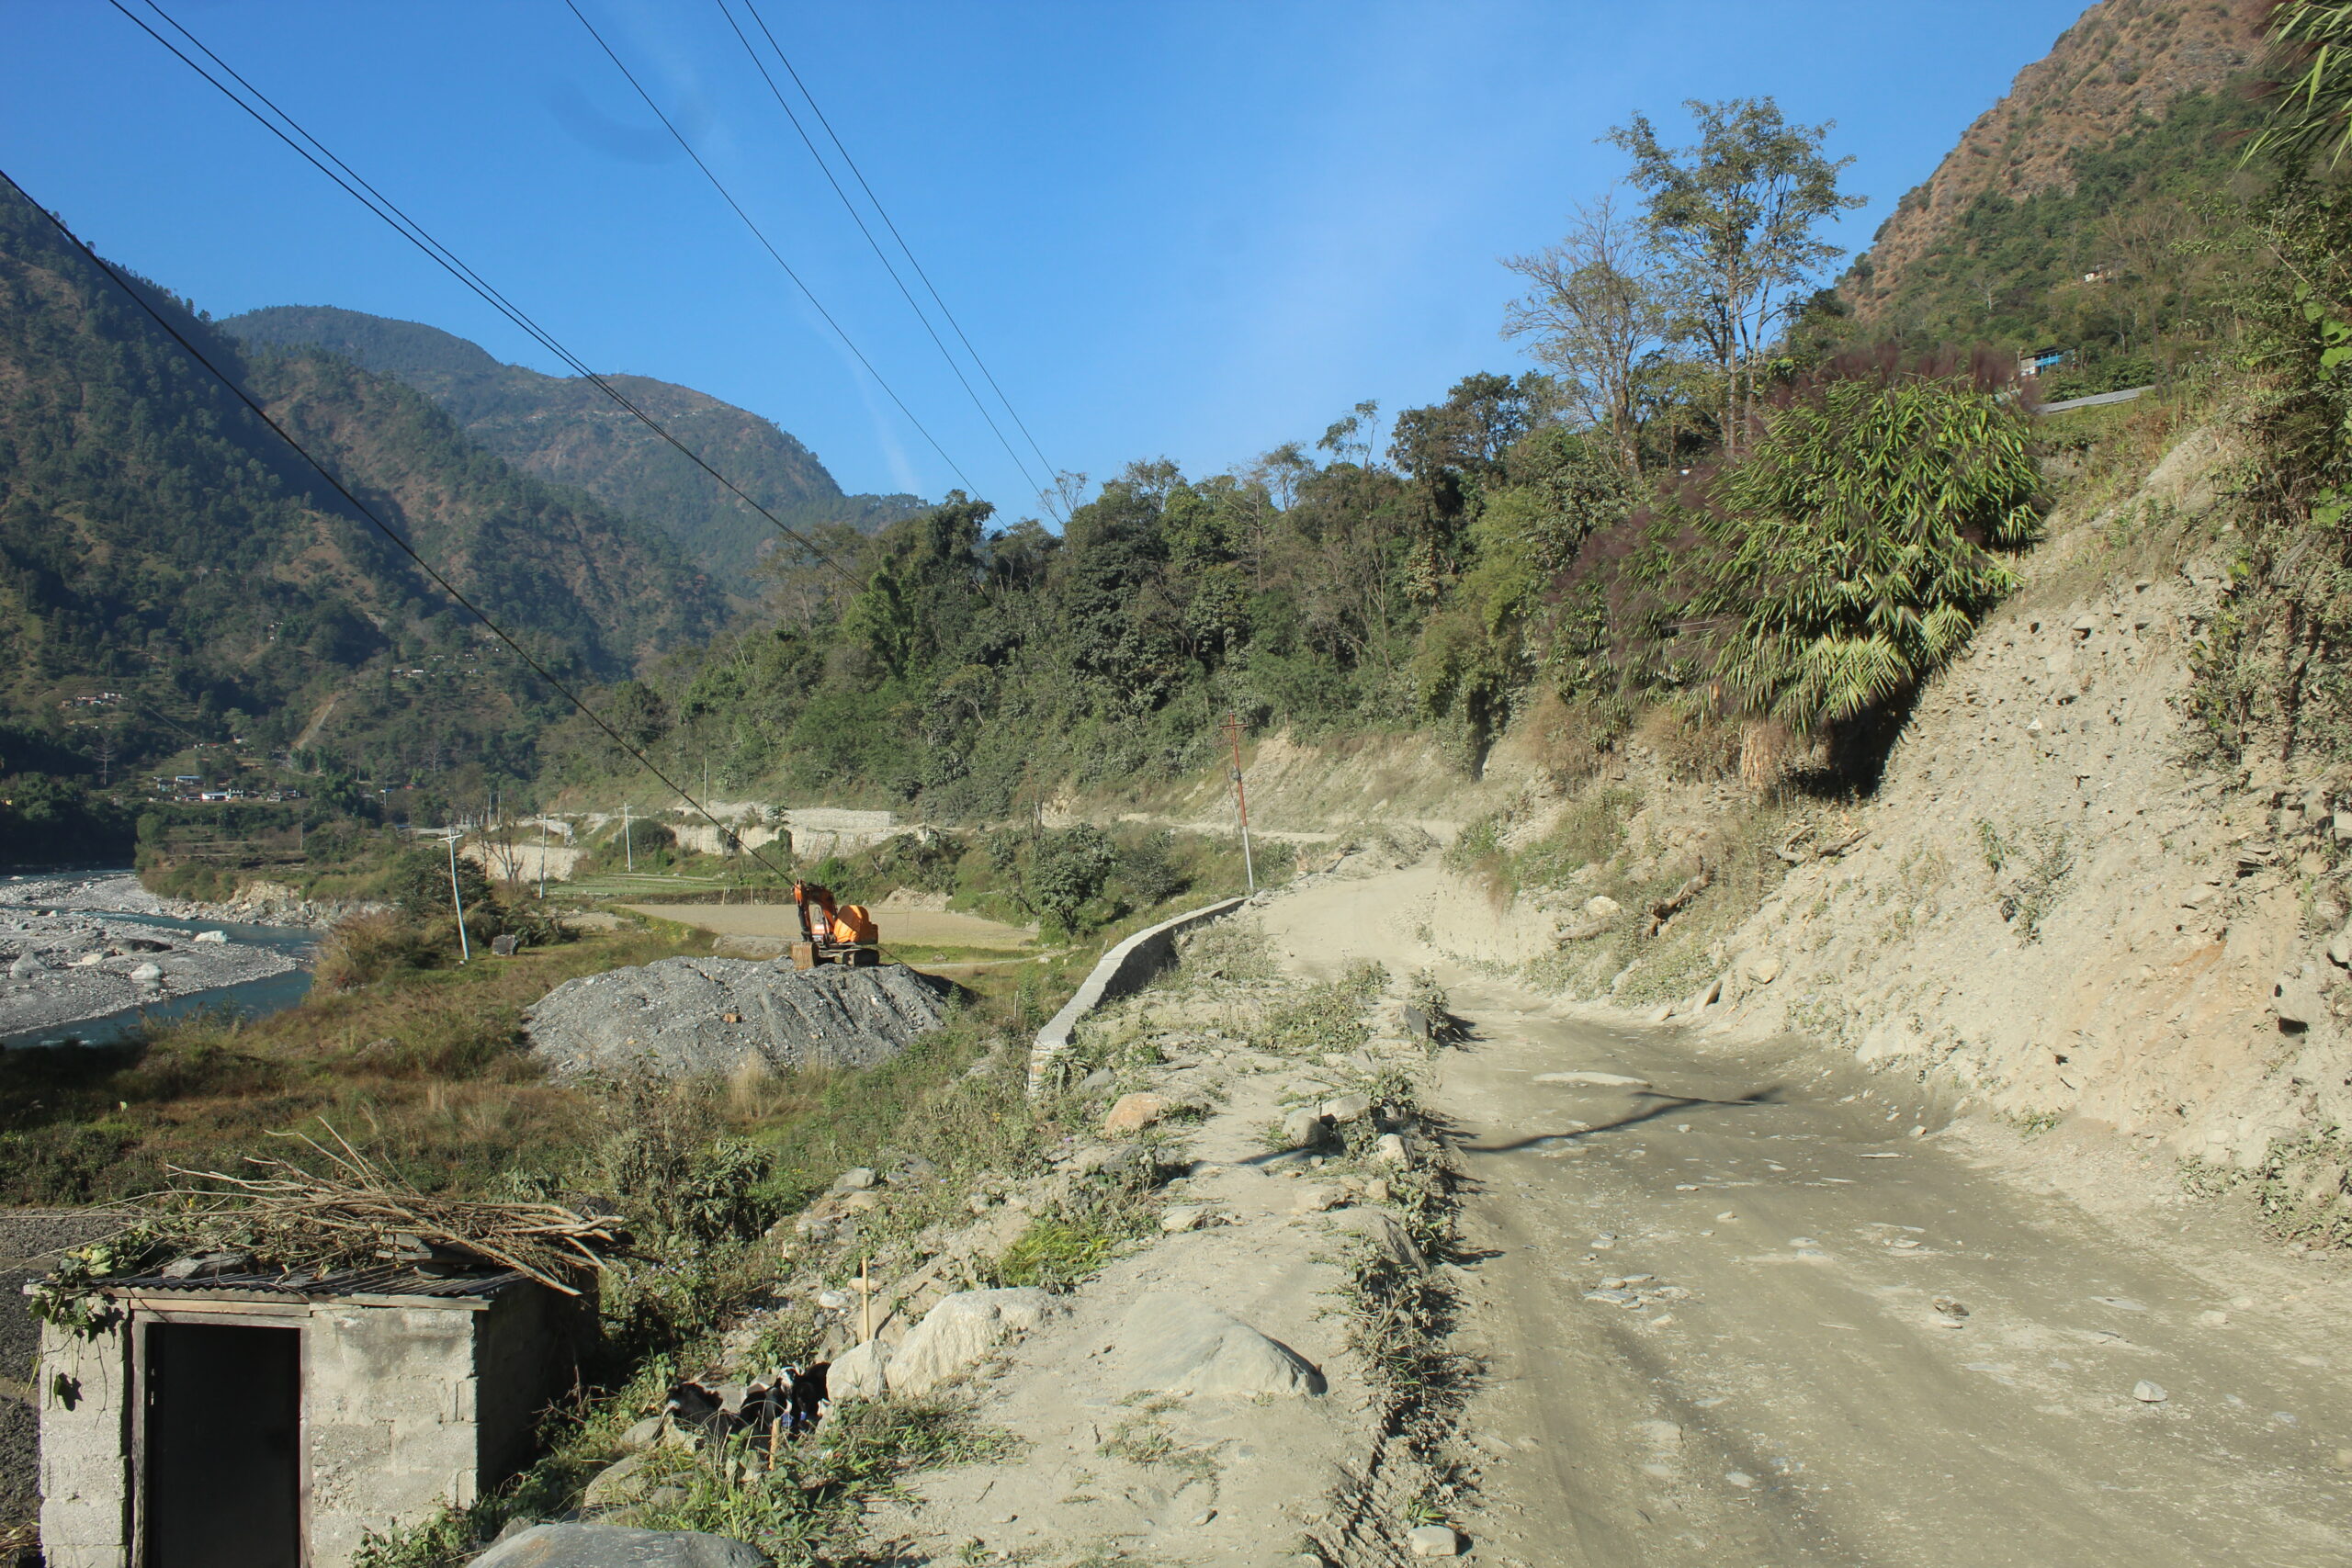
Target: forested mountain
2068 214
562 428
171 575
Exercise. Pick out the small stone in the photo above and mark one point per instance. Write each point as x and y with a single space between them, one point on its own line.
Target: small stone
1134 1113
1918 1131
1389 1149
1314 1198
831 1300
1602 907
644 1435
147 974
2215 1319
1346 1108
1303 1129
211 936
1376 1189
1176 1221
1952 1312
1762 969
1097 1081
2148 1393
1740 1479
617 1483
1433 1540
1802 1241
858 1179
2341 826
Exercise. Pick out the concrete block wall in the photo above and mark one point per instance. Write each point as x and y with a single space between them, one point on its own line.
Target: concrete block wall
82 1389
389 1408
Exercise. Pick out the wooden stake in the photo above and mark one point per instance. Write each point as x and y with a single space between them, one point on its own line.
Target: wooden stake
865 1295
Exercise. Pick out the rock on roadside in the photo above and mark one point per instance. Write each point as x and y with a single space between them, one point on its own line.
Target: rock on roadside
1175 1345
695 1016
613 1546
958 1333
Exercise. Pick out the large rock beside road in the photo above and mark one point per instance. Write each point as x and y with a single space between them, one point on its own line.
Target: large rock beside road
1177 1345
695 1017
960 1333
611 1546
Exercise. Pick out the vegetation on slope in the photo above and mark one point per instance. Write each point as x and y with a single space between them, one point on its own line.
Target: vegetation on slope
562 428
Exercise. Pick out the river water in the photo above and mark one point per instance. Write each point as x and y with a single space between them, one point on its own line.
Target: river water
245 998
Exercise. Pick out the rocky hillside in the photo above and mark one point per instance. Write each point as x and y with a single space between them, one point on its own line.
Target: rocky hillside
2126 68
562 428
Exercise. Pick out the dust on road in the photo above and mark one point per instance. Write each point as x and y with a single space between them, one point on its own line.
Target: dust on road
1709 1309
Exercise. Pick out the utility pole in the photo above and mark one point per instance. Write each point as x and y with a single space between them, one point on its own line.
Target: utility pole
1241 798
543 856
465 949
629 839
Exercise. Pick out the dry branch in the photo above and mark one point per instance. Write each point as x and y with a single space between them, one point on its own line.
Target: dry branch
1671 905
356 1212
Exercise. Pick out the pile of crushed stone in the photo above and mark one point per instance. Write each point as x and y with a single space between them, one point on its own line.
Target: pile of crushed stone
697 1017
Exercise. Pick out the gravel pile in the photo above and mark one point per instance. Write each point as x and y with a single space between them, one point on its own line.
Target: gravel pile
695 1017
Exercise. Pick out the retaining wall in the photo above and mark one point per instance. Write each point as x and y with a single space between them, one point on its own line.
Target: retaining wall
1122 972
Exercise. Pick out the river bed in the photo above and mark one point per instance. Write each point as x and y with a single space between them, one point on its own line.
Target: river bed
94 958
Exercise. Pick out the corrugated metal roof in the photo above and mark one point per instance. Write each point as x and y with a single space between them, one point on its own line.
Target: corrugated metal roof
386 1279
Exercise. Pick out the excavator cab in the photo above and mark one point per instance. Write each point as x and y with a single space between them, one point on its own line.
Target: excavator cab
831 934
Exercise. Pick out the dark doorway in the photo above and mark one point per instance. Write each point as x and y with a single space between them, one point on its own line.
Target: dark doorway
224 1468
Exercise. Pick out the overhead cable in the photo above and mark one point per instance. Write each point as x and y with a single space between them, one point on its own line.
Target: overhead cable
399 540
887 265
884 213
320 157
773 255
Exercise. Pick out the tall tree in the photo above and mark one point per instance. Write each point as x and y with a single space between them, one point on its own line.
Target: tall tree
1599 312
1733 219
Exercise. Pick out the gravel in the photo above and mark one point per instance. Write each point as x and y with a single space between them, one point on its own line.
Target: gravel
696 1016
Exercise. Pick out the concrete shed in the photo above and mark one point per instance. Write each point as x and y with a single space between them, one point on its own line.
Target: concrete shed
271 1421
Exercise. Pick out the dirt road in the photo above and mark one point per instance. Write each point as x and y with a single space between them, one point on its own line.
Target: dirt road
1709 1303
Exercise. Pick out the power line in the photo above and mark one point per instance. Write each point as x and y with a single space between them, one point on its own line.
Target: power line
398 541
882 257
773 255
884 213
319 156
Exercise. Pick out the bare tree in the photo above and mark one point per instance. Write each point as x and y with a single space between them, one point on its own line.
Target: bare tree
1598 314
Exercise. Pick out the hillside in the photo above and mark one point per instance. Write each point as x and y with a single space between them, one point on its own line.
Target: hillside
562 428
171 575
2055 218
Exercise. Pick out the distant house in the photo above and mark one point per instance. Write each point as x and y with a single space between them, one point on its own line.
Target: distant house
2043 359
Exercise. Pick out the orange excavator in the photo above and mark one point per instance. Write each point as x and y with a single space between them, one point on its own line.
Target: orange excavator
832 935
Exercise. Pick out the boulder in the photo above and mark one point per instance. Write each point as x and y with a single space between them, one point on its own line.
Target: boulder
856 1179
1602 907
211 936
1433 1540
147 974
1762 968
1346 1108
860 1371
960 1332
1177 1345
1388 1149
613 1546
1134 1113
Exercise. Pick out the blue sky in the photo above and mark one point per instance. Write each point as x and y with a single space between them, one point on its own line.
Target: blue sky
1189 228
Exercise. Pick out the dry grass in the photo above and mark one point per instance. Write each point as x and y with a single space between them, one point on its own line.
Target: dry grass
424 1067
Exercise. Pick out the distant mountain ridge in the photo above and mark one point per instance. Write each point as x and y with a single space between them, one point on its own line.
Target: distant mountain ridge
160 543
563 428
